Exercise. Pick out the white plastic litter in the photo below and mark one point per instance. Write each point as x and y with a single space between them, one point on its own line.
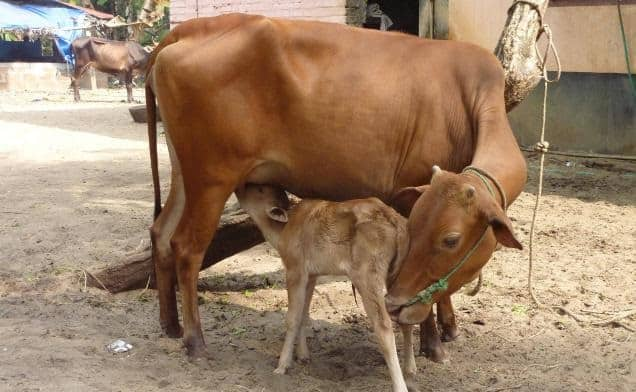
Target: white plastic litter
119 346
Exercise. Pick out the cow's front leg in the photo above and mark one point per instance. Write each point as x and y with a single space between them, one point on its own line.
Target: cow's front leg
430 343
446 319
297 281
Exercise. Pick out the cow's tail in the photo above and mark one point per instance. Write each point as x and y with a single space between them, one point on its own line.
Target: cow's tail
151 118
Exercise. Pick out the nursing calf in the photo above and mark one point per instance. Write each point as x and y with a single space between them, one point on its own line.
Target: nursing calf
363 239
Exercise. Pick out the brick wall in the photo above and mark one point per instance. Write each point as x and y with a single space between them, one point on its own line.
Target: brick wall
339 11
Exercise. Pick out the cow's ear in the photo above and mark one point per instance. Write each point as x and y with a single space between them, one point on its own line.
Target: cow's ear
278 214
501 226
404 199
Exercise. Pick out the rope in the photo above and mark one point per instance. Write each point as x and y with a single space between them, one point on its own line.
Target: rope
542 147
482 174
625 47
587 155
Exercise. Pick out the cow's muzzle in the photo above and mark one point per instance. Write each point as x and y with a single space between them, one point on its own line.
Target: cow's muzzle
413 314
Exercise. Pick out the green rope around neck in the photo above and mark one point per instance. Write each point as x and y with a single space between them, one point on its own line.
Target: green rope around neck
426 296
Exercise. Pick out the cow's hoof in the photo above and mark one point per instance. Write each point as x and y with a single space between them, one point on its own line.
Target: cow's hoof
197 350
173 331
449 333
435 354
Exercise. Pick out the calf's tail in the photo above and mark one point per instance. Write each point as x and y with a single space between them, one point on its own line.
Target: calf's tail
151 111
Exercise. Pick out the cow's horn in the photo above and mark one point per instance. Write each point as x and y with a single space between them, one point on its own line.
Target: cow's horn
436 171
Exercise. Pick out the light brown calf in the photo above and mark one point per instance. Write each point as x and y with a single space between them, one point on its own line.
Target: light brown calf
363 239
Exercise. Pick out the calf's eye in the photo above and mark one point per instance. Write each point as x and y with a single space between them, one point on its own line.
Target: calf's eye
451 240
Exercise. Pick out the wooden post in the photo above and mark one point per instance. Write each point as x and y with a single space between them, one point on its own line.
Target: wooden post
426 19
91 73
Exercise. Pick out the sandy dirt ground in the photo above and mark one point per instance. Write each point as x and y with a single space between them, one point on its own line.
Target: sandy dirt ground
75 195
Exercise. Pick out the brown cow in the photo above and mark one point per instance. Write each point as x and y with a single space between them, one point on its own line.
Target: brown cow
364 239
302 105
113 57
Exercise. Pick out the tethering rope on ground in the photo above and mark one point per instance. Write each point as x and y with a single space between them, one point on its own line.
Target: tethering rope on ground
542 147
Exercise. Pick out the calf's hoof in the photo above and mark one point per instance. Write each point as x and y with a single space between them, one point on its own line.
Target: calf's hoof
280 370
411 386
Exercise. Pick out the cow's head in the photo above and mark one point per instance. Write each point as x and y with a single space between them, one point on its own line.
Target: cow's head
447 220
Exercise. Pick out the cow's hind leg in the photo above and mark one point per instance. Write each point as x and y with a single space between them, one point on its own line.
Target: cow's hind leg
446 319
200 218
163 259
430 343
129 77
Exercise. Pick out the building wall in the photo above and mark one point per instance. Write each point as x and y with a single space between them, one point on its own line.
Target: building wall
325 10
19 76
588 37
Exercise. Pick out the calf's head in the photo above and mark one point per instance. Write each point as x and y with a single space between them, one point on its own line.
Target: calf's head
267 206
446 224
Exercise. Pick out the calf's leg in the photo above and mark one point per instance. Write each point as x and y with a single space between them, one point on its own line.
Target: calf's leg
430 343
446 319
373 302
302 350
297 282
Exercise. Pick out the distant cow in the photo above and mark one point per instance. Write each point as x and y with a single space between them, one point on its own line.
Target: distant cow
113 57
364 239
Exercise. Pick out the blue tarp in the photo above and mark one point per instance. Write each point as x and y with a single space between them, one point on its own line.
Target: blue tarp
39 15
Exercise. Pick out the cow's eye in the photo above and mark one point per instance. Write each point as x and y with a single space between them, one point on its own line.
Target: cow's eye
451 240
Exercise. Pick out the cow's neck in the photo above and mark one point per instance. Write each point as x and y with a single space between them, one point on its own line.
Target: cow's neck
497 152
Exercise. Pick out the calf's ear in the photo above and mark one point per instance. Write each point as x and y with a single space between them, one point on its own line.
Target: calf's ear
403 200
278 214
501 226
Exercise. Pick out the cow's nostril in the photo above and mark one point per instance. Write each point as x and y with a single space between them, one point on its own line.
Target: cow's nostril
390 303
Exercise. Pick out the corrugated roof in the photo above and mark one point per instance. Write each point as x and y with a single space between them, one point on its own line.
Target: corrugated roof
90 11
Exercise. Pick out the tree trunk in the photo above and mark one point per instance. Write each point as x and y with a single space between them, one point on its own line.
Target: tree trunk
516 51
235 234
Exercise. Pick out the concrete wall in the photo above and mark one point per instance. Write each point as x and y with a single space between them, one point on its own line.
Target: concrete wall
588 112
325 10
43 77
588 37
